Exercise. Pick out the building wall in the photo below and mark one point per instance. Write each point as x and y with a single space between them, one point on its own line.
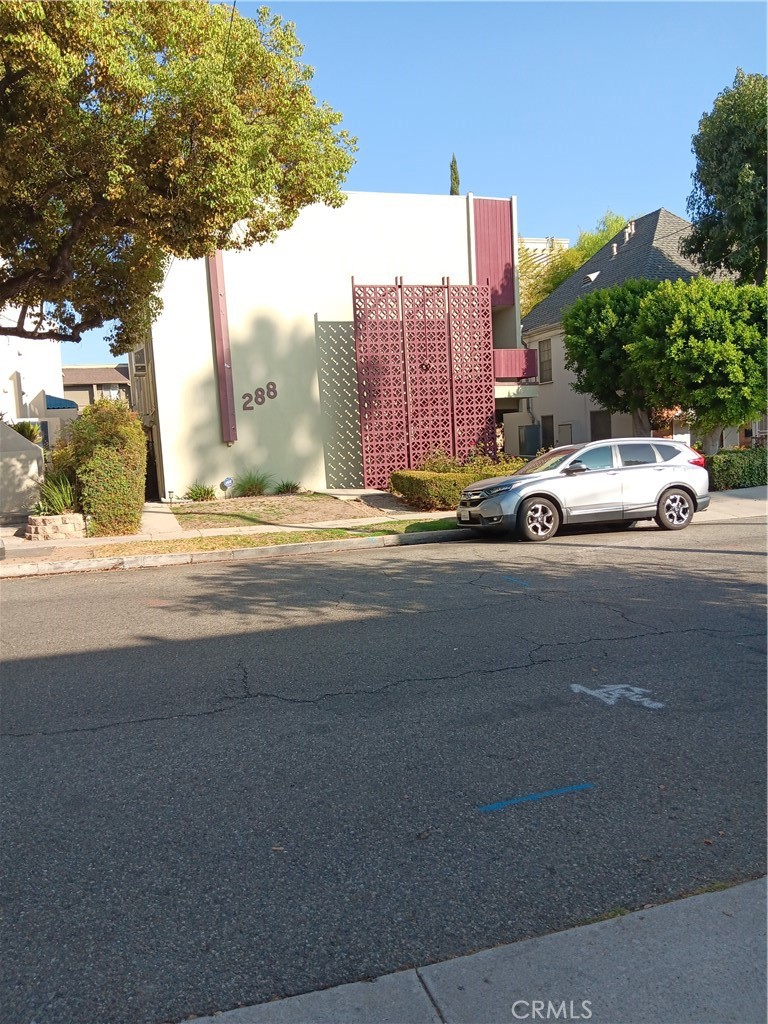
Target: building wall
28 371
82 394
285 299
21 470
558 399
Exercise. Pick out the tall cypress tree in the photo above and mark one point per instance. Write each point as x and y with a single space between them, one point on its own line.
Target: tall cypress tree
454 176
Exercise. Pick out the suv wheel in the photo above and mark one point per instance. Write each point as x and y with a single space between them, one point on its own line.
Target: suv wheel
675 509
538 519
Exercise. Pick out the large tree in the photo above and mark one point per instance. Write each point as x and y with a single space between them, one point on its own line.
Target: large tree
131 130
728 201
701 346
598 329
697 347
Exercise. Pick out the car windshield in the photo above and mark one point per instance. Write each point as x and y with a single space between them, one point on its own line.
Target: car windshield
549 460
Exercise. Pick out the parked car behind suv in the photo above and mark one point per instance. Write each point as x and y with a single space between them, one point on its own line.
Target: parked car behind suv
620 480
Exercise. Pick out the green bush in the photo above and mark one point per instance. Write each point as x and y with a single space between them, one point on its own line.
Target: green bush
439 481
433 491
200 492
439 461
252 484
738 467
104 454
112 494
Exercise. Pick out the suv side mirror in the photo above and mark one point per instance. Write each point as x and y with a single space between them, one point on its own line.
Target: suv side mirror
575 467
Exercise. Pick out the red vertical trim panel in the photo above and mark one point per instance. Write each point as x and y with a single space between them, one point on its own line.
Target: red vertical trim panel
223 357
494 249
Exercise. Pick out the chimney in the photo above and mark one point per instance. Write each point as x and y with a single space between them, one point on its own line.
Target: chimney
614 250
631 227
627 233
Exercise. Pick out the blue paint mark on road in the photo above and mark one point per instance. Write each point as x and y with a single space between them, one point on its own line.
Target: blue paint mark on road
513 579
535 796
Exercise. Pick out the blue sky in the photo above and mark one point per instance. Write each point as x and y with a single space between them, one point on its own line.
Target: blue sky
575 108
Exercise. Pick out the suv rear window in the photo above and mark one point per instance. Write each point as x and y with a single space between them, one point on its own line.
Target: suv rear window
640 454
666 451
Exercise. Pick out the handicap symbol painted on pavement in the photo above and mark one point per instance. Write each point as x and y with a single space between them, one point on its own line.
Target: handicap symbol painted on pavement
613 694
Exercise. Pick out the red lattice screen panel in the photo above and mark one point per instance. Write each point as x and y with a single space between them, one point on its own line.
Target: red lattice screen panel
473 379
425 373
428 370
380 381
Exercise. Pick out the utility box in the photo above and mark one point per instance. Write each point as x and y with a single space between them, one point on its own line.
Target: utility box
530 440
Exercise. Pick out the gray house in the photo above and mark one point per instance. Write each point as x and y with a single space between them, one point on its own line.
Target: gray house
647 247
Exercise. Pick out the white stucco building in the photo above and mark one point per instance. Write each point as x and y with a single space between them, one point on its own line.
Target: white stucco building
272 359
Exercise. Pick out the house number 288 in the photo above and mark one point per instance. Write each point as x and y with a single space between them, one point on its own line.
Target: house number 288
259 396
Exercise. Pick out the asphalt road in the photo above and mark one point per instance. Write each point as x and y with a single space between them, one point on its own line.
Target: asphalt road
229 783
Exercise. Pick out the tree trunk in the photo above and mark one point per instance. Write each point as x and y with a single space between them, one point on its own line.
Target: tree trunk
641 423
710 442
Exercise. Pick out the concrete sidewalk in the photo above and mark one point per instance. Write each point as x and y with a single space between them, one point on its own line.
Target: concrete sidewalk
20 557
699 960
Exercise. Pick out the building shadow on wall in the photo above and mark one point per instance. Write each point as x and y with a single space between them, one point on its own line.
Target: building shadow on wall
339 408
279 436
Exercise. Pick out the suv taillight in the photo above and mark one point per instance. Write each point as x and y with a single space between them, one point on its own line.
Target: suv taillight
698 459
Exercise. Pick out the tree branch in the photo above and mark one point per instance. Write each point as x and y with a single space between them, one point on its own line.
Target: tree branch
59 270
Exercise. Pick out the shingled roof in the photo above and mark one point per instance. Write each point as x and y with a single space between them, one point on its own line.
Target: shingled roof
651 252
82 375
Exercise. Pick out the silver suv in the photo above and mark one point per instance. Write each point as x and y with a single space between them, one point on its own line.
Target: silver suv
620 480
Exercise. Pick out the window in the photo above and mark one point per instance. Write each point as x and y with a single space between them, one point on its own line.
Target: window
636 454
110 391
547 431
599 425
545 361
666 451
598 458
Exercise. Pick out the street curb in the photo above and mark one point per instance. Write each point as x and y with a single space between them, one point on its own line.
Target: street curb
15 570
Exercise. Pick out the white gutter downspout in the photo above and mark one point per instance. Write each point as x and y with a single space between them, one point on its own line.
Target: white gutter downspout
515 234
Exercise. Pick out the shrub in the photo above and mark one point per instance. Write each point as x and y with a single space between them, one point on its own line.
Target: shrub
287 487
32 431
108 424
112 494
200 492
432 491
479 461
251 484
57 497
439 461
738 467
104 454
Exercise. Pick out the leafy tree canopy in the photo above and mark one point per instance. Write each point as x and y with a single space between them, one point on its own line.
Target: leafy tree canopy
697 346
537 281
128 133
598 328
701 345
728 201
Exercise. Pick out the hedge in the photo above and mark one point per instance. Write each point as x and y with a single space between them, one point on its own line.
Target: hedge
433 491
112 494
738 467
104 452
